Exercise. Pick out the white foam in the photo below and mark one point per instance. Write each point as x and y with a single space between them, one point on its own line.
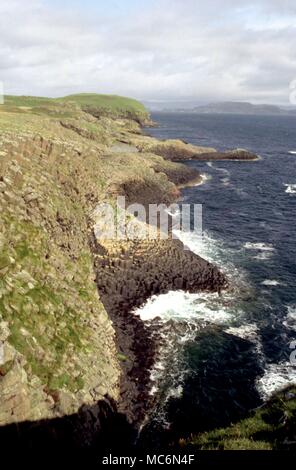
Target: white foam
225 181
197 244
290 321
292 312
265 255
259 246
204 178
249 332
270 283
223 170
205 246
264 250
214 251
292 152
168 373
276 377
183 306
291 188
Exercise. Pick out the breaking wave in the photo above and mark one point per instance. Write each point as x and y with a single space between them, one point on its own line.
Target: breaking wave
270 283
275 378
259 246
291 188
290 320
183 306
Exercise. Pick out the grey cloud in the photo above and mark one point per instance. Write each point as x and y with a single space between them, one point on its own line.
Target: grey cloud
171 49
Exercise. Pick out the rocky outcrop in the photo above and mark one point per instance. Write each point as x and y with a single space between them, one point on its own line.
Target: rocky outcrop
178 150
128 273
237 154
172 149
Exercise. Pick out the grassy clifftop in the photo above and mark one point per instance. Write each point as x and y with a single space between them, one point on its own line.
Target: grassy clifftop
97 104
113 104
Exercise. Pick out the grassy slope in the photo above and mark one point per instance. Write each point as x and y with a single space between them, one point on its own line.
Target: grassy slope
106 104
30 101
273 426
112 102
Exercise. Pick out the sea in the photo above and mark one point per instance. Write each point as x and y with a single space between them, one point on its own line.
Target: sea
222 356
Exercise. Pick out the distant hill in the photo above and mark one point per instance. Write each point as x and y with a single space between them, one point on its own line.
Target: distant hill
236 107
108 102
97 104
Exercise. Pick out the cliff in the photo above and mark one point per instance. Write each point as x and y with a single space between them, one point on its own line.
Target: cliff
65 297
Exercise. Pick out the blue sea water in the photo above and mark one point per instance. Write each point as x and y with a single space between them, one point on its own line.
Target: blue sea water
228 354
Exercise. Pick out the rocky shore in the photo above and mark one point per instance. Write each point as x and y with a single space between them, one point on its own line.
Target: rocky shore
179 151
68 338
127 275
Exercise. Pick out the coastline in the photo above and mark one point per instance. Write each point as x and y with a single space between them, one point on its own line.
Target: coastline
76 163
55 170
138 270
202 179
142 269
134 275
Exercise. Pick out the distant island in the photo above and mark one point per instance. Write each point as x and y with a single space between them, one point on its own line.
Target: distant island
240 107
234 107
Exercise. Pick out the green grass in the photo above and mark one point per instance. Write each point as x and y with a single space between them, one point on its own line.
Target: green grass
122 357
73 107
118 105
110 102
270 427
27 101
45 325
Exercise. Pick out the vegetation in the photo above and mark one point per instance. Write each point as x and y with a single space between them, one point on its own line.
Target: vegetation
57 162
271 427
109 105
27 101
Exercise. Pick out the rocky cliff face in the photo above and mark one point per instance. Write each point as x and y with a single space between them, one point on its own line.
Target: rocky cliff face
62 292
57 341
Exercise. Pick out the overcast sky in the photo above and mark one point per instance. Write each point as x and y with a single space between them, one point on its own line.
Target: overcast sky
179 50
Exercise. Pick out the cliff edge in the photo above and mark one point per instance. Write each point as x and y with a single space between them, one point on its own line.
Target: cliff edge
63 339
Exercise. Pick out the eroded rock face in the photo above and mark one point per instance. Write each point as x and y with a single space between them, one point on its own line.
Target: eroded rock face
57 348
127 275
171 149
177 150
57 342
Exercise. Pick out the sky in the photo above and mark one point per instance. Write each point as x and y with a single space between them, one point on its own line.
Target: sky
161 51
